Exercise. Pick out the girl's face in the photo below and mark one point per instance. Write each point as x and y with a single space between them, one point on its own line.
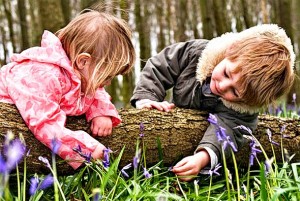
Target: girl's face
224 81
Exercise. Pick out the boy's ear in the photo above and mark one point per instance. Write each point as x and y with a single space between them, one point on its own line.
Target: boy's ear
83 60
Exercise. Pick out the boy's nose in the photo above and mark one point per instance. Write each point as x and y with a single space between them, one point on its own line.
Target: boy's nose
223 86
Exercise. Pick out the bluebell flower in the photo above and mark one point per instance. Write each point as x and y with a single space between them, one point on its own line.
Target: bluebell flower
96 195
244 128
106 157
2 165
45 160
147 174
47 182
124 173
13 152
278 111
36 185
253 151
136 159
34 182
294 98
86 156
215 170
268 165
55 145
212 119
269 133
221 134
142 128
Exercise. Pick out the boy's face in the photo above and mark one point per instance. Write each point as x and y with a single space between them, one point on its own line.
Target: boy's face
224 81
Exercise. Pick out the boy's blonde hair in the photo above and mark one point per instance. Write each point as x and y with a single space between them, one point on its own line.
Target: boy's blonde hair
265 67
106 38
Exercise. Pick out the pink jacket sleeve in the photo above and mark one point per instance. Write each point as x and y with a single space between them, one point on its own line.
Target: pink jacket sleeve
102 106
37 100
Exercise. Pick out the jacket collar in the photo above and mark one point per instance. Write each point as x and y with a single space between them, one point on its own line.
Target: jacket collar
215 50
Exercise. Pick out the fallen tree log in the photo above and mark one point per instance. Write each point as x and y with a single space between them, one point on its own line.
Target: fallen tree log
178 132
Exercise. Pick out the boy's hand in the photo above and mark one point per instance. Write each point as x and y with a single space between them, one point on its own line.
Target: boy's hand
189 167
161 106
101 126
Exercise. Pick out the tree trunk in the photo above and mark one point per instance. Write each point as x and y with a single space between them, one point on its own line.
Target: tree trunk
206 18
51 15
23 24
178 132
8 14
221 16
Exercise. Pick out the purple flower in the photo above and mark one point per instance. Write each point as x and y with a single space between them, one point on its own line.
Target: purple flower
86 156
282 129
97 197
269 133
106 157
136 159
253 152
214 171
45 160
268 165
227 141
2 165
13 152
294 98
55 145
36 185
142 127
212 119
221 134
244 128
147 174
47 182
34 182
124 173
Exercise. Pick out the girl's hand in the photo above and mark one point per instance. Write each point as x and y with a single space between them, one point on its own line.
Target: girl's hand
161 106
189 167
98 152
101 126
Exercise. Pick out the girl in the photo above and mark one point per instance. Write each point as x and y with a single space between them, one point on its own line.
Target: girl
66 76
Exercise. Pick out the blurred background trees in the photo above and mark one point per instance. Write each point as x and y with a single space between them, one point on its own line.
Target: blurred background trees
155 24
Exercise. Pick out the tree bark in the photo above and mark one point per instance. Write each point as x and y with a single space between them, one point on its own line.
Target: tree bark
178 132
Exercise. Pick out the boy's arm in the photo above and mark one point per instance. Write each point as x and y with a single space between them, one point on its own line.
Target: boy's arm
228 120
162 70
102 106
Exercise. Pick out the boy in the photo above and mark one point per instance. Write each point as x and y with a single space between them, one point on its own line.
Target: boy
231 76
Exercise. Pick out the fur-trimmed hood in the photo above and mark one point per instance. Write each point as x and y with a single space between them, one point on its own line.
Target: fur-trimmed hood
215 50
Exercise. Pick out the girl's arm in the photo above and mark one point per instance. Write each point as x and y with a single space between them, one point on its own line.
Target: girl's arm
102 106
37 99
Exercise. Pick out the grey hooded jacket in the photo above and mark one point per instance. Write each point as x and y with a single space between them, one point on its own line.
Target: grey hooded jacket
186 67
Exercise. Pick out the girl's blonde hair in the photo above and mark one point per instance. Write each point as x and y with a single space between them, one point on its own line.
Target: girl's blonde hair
265 67
106 38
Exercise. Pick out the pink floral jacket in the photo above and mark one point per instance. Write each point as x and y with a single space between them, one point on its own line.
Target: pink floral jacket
42 84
